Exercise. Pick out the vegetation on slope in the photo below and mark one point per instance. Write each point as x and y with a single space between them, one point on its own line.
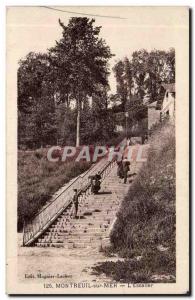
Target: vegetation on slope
38 179
144 232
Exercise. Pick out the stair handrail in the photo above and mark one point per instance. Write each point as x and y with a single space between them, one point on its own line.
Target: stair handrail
32 231
39 222
75 179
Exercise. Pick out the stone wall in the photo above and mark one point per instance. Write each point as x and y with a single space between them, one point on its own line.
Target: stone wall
153 116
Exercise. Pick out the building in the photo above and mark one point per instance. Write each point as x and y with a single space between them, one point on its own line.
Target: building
164 107
168 104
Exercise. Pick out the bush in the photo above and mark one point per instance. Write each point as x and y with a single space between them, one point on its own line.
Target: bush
39 153
140 270
147 219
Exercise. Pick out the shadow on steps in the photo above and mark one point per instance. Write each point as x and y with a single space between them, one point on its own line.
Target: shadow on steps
104 193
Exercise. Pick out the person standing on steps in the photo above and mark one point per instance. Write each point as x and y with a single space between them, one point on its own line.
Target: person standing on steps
75 202
126 168
120 169
128 141
98 176
95 183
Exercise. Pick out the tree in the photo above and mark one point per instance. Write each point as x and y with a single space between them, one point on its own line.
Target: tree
144 74
169 72
66 124
128 76
121 86
36 105
140 68
80 61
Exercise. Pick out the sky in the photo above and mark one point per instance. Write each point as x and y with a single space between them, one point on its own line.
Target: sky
125 29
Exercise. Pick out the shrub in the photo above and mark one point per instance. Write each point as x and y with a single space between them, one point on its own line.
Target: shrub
39 153
146 219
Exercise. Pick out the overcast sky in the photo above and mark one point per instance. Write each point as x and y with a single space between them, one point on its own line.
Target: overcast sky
37 28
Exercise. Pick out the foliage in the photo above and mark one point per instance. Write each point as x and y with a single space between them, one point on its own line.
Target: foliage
66 124
75 69
145 226
80 61
151 198
38 179
144 74
97 122
80 58
140 270
36 118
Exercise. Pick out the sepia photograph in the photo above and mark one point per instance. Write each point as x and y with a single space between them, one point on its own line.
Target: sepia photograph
97 127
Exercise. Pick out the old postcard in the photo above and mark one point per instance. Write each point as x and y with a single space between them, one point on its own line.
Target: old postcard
97 150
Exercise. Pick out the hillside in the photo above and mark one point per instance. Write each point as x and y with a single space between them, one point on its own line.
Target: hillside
39 179
144 232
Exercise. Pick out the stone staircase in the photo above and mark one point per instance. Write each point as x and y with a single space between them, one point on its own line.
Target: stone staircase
95 216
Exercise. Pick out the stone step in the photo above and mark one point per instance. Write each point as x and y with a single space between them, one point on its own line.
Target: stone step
74 236
83 225
54 230
101 215
85 245
78 231
90 229
80 226
100 206
42 244
75 243
77 237
98 219
95 223
51 240
83 240
100 202
70 244
81 215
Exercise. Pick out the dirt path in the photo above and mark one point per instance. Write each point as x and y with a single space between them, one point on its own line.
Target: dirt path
72 265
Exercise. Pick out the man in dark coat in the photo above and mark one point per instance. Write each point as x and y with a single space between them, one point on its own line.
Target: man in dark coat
76 202
126 169
120 169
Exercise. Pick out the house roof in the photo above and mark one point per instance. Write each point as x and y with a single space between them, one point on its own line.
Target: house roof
166 87
153 104
169 87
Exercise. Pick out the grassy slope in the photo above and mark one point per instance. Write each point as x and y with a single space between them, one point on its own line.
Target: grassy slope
145 227
38 179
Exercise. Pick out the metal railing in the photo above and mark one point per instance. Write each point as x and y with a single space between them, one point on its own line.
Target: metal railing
33 229
69 219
